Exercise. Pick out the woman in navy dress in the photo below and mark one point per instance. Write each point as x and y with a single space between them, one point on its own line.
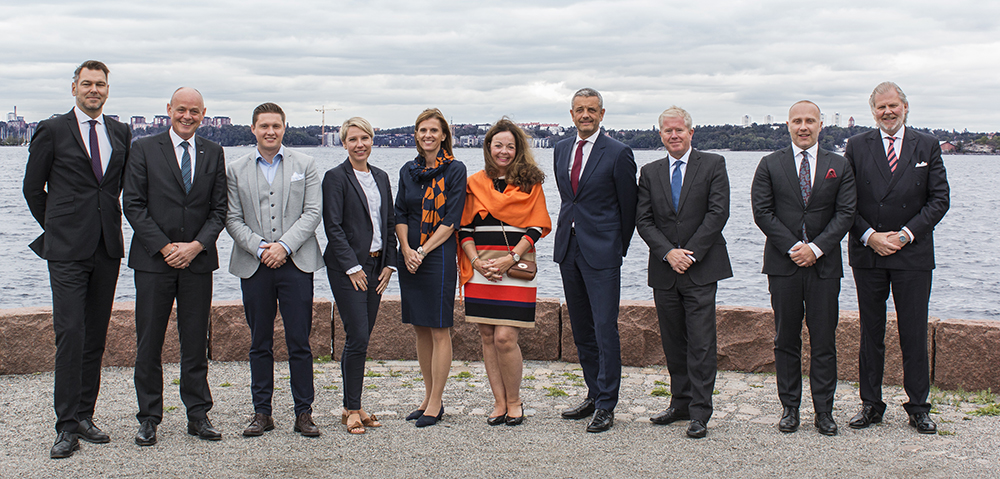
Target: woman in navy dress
429 205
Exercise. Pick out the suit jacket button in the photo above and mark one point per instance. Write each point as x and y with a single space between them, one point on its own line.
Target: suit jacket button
182 229
879 225
273 230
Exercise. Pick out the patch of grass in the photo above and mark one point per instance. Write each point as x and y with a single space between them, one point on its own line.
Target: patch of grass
934 410
659 383
407 384
175 381
660 392
570 375
419 378
855 385
942 432
758 386
395 374
330 387
318 371
380 361
225 385
170 409
371 386
463 375
991 410
624 376
555 392
715 391
529 378
322 359
966 418
579 384
285 377
372 374
984 397
470 385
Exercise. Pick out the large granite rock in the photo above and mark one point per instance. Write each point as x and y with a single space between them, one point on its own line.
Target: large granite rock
967 354
638 330
745 339
230 334
119 348
390 339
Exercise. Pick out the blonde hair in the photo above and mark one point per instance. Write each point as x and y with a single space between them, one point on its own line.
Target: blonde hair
358 122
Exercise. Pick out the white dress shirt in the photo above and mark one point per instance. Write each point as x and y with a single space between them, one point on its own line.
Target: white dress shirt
812 151
896 146
179 151
103 141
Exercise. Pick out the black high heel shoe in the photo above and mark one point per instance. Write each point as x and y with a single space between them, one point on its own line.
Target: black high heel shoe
497 420
425 420
514 421
415 414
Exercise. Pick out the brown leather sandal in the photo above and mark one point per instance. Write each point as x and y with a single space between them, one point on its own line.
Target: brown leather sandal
354 424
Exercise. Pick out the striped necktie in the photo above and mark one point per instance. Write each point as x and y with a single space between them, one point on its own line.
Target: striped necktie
186 166
892 154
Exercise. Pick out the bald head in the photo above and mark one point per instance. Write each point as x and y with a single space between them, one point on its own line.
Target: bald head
187 94
804 124
186 110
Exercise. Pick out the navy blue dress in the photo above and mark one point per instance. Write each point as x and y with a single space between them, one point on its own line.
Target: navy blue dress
428 296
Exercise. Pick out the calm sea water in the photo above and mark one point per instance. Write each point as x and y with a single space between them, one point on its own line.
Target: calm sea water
965 285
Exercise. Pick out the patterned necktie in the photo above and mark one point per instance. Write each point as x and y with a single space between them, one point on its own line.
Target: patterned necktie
95 152
574 174
892 154
186 167
676 182
805 184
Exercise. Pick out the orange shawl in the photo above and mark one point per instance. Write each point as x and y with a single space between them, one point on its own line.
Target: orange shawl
512 206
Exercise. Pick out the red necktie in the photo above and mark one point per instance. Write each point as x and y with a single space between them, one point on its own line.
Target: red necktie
892 154
95 152
574 174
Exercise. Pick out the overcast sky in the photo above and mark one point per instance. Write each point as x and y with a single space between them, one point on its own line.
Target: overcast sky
478 61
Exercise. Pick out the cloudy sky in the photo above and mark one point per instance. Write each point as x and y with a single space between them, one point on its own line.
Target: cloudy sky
478 61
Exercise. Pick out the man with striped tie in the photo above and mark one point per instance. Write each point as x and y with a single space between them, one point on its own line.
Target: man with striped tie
175 198
902 194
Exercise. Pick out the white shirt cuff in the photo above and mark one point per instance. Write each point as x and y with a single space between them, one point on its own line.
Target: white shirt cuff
354 269
908 233
864 237
816 251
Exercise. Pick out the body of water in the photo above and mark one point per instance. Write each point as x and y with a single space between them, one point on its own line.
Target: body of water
964 282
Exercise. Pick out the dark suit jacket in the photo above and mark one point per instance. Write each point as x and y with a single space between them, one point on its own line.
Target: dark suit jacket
696 226
347 222
779 211
915 196
73 209
603 206
159 210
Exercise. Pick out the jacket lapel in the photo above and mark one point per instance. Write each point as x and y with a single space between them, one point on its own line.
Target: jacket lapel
663 172
287 168
596 153
904 159
167 148
694 163
790 169
253 184
822 168
352 178
877 151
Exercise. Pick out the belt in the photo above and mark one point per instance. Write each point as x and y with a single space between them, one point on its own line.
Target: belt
375 254
572 231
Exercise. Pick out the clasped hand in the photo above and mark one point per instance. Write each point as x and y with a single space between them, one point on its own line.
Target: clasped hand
412 260
274 255
180 255
678 259
886 243
803 255
494 269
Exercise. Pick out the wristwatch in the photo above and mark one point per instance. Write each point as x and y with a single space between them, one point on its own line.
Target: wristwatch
516 256
420 251
903 238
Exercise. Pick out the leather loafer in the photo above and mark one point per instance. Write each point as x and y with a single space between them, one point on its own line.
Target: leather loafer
825 424
585 409
671 414
88 431
413 416
496 421
867 416
259 423
203 428
789 420
923 422
66 443
603 420
304 425
697 429
146 436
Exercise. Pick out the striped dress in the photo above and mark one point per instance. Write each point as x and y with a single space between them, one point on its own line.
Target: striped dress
510 302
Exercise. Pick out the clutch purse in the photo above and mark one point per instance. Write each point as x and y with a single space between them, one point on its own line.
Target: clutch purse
522 269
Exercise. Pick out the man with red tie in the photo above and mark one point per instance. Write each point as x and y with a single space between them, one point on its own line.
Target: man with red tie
72 183
902 194
596 179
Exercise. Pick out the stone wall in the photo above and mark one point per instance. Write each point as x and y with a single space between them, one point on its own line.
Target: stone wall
963 353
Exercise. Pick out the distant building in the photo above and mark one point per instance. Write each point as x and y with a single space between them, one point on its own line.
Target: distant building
822 117
850 122
947 147
138 123
747 120
161 120
768 119
836 119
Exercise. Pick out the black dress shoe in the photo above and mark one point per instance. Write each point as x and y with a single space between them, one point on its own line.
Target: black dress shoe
203 428
697 429
867 416
497 420
603 420
923 422
516 421
147 433
259 424
789 420
66 443
88 431
585 409
825 425
415 415
671 414
425 420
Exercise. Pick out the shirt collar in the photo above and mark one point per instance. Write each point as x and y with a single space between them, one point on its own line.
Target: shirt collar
592 139
898 135
813 150
176 139
82 117
684 158
278 157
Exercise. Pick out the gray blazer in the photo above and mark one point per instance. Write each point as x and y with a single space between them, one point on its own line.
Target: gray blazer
301 207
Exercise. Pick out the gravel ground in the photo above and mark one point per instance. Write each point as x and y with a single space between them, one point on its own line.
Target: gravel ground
743 440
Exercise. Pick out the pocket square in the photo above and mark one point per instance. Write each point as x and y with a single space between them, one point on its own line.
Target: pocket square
921 164
831 174
298 177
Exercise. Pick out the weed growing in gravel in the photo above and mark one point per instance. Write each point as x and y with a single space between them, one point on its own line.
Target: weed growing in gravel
285 377
942 432
407 384
371 386
330 386
225 385
660 383
570 375
529 378
175 381
463 375
555 392
170 409
322 359
991 410
395 374
660 392
372 374
984 397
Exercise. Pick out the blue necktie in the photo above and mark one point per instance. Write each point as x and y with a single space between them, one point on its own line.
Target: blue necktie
186 167
675 184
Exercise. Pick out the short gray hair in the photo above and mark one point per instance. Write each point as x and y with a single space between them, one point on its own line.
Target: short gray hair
676 112
357 122
589 92
885 87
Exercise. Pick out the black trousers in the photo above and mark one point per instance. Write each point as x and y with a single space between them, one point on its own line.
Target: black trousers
911 291
592 301
688 332
358 310
82 296
792 297
290 290
154 297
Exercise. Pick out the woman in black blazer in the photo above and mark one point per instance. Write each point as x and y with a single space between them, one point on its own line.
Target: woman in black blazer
360 256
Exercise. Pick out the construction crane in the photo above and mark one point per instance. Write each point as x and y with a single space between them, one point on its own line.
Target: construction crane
323 110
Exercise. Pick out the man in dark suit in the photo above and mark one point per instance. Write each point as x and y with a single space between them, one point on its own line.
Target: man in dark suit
683 206
902 194
596 179
804 201
72 183
175 200
274 209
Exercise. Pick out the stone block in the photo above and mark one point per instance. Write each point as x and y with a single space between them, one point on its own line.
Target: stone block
638 331
745 339
27 342
230 335
120 345
390 338
966 354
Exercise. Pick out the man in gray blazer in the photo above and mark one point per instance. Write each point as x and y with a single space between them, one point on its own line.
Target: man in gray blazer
683 206
274 209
